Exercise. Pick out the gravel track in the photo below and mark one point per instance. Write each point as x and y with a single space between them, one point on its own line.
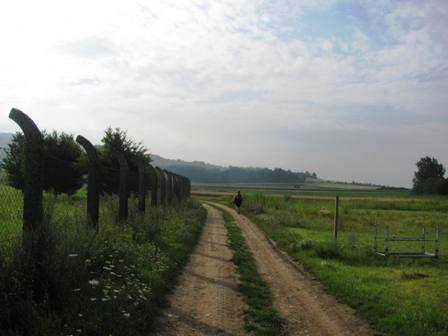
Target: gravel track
301 300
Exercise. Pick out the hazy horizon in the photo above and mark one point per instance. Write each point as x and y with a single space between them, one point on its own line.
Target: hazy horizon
350 90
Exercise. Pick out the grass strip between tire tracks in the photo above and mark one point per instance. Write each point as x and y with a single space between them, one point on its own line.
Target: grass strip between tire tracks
261 317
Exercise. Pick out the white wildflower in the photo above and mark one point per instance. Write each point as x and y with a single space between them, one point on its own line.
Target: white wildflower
93 282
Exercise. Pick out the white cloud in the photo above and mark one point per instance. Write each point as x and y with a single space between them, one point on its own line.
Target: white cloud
193 78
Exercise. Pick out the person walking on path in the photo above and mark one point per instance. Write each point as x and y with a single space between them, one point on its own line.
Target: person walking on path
238 200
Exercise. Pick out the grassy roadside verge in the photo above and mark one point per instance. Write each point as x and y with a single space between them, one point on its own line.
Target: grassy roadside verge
110 283
261 318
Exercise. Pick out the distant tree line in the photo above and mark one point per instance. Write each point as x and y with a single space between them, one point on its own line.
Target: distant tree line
430 177
240 175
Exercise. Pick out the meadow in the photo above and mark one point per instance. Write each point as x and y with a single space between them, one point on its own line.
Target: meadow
399 296
113 282
311 188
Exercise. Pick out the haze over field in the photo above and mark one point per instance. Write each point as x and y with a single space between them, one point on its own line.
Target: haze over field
353 90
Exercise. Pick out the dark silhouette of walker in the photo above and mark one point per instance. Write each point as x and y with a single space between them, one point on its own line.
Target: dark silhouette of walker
238 200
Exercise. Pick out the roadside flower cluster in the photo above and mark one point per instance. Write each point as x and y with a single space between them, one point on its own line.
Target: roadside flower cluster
114 286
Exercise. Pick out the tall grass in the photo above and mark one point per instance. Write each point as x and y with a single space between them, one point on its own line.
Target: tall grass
83 283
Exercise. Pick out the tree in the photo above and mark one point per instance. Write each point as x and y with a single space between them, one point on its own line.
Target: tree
114 141
13 161
63 171
429 177
63 167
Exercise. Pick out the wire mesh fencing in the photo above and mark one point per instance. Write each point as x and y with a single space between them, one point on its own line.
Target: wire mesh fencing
11 216
417 226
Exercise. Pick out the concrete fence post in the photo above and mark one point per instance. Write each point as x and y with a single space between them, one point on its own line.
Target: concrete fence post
176 187
162 181
141 186
153 185
32 191
123 188
169 187
93 199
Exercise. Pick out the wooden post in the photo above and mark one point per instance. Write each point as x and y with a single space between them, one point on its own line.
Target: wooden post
153 185
123 189
93 200
436 248
336 218
386 240
424 239
375 243
32 190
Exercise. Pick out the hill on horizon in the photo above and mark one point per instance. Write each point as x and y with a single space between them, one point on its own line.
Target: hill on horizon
202 172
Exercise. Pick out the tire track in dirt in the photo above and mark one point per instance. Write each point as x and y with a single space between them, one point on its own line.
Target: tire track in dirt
301 300
206 300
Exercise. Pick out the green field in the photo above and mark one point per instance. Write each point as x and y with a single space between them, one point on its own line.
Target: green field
398 296
312 187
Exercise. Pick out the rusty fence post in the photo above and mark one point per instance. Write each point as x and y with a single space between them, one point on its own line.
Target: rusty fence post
123 188
32 190
93 199
153 185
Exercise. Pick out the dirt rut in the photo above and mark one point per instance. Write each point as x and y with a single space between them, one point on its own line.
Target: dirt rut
308 308
206 299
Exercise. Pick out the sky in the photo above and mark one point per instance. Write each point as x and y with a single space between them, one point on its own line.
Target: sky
351 90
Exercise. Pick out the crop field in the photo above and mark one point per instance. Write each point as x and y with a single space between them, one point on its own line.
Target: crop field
399 296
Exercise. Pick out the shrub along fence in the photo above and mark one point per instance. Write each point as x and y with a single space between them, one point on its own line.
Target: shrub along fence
162 187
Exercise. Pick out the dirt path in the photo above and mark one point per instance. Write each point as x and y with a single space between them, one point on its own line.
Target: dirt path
309 309
206 300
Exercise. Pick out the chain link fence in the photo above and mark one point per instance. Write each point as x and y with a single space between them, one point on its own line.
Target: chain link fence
11 214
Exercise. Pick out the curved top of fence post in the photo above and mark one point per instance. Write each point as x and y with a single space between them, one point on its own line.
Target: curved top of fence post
159 171
88 147
27 125
151 169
